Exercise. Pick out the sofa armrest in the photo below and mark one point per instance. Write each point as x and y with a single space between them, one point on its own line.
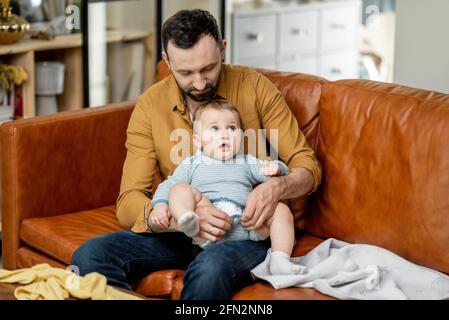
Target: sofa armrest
67 162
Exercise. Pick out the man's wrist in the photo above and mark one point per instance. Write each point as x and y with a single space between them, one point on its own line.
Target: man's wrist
298 182
277 185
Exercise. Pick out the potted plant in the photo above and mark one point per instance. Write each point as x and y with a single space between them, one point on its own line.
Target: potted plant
10 76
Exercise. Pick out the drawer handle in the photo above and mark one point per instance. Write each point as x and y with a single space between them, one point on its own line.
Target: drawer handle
255 37
300 32
338 26
336 71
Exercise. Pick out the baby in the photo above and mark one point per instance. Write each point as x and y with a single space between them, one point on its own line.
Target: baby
220 175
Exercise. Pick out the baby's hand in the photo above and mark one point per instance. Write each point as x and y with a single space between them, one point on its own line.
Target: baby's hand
270 168
160 216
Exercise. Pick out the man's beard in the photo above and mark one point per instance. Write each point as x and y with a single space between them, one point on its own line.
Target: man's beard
209 95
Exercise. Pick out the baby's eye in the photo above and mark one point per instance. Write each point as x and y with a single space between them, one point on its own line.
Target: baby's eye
213 128
232 128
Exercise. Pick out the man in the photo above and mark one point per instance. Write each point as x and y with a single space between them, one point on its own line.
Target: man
194 50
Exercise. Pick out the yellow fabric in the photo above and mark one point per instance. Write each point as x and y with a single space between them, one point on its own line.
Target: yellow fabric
43 282
161 110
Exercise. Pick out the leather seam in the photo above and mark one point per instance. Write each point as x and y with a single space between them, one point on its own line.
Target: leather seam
41 248
15 224
72 115
387 93
37 254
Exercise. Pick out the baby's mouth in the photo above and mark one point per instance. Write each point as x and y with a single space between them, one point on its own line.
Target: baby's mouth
224 146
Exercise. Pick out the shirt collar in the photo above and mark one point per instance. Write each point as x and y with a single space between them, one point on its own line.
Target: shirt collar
221 91
176 96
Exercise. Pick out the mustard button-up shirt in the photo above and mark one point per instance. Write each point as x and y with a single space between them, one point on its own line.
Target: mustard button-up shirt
160 120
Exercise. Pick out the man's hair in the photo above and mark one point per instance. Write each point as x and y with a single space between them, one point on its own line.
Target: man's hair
186 27
216 104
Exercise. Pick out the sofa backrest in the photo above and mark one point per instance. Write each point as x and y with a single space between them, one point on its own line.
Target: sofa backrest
385 159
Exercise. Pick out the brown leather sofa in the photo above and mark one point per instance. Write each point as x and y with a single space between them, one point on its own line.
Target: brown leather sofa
382 147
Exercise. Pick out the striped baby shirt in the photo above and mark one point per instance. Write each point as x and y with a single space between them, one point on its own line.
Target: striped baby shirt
231 179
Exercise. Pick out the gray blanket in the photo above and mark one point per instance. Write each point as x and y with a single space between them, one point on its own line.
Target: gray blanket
359 271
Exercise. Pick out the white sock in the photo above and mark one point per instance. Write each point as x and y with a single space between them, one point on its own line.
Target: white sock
189 223
280 264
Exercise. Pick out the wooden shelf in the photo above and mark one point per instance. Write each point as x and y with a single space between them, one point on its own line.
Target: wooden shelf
66 49
67 41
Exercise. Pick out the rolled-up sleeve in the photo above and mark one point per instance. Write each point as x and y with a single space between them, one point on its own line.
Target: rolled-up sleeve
139 166
181 174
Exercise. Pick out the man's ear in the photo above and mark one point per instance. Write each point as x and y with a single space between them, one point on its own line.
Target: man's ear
165 57
223 49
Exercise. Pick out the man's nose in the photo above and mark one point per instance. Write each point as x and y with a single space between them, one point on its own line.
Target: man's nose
199 83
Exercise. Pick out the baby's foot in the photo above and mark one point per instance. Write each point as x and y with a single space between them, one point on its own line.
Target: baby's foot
189 223
280 264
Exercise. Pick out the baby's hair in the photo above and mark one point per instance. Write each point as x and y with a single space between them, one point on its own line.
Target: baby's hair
216 104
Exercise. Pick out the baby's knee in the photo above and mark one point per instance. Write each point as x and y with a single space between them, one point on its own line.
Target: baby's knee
179 187
183 187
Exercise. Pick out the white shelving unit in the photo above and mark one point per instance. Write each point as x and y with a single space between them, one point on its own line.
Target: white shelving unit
321 38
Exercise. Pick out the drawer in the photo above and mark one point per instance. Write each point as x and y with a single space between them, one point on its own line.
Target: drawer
340 65
254 36
298 31
299 63
340 27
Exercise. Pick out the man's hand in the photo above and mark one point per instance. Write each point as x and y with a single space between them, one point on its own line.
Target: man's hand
160 216
214 223
270 168
260 206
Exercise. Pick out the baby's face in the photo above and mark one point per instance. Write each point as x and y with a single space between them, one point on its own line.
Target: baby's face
221 134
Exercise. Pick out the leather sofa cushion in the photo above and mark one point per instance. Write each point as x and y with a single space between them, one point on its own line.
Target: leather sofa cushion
158 284
59 236
28 257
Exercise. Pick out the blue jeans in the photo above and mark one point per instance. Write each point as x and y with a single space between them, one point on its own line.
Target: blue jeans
213 273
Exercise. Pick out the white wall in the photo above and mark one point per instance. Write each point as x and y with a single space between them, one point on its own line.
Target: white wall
422 44
170 7
97 55
140 15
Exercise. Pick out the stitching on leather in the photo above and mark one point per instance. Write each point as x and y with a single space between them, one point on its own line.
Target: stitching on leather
49 237
75 115
35 256
389 93
33 246
15 224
